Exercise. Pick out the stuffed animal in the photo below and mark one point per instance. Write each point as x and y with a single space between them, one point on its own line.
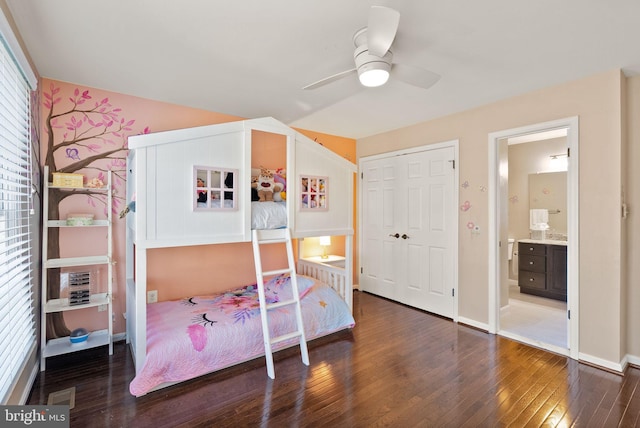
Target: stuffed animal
202 193
279 176
266 185
254 189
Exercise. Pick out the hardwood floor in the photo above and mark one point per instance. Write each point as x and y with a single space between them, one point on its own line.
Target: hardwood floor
398 367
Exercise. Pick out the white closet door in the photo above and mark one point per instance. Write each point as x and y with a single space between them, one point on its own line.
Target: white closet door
429 224
381 253
408 229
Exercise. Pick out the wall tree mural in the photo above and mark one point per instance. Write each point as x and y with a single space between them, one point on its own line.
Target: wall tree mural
88 137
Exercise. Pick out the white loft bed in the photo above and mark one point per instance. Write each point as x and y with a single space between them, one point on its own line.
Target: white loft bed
160 181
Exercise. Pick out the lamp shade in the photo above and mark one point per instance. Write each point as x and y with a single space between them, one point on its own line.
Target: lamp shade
325 241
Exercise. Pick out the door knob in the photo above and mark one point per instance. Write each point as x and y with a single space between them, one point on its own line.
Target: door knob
405 236
397 235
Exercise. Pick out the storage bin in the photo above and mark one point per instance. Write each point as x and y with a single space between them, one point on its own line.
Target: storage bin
61 179
79 219
77 284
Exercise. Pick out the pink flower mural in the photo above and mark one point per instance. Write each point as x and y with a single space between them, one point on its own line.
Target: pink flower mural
84 136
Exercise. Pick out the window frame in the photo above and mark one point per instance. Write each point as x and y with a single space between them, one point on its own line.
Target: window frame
211 189
18 226
314 193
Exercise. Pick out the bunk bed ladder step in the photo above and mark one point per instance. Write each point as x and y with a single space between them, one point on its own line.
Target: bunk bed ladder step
261 237
276 272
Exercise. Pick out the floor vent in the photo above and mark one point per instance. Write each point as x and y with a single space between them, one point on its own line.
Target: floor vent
64 397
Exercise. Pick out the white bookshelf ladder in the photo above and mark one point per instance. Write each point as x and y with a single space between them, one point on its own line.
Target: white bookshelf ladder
278 236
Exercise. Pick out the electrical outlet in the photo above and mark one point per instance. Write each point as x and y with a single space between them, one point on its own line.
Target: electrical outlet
102 308
152 296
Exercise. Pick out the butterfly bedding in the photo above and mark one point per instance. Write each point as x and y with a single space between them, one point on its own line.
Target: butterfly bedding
197 335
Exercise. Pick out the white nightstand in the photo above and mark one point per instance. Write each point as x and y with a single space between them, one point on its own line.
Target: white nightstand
337 261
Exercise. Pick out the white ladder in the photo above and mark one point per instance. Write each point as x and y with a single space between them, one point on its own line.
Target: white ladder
278 236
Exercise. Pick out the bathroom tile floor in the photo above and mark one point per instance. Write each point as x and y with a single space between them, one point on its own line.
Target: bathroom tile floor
535 318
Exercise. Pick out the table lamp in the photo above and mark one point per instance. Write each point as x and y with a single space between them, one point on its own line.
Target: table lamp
325 241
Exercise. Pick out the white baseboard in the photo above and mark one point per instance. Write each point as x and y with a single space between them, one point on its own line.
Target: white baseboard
633 359
119 336
473 323
504 310
599 362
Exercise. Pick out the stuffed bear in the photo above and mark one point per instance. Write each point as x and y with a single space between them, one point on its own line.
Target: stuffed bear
266 185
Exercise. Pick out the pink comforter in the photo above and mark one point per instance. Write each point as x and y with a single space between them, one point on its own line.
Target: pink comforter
194 336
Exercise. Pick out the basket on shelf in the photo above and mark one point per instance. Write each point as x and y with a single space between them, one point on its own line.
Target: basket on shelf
80 219
62 179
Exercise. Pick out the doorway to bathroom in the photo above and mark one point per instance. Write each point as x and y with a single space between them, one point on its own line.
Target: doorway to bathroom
533 257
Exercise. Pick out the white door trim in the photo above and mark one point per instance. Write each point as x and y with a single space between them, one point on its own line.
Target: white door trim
572 125
456 186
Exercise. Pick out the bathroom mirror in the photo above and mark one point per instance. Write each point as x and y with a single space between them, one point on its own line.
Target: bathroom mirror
548 190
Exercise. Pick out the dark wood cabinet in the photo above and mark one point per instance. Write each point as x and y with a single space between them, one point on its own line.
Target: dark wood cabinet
542 270
557 270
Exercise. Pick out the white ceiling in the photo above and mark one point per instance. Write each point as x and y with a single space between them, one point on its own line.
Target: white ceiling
250 58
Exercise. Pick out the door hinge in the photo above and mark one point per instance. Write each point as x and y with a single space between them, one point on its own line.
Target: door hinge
568 152
361 175
569 314
453 292
361 270
453 163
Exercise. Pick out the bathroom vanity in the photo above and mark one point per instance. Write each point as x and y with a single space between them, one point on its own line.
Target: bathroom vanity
542 268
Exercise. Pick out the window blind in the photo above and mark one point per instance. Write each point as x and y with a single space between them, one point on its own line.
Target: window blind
17 319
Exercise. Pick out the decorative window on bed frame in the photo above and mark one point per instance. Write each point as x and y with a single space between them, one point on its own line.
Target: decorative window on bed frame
313 193
214 188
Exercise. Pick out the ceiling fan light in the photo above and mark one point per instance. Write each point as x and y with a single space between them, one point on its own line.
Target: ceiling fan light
374 74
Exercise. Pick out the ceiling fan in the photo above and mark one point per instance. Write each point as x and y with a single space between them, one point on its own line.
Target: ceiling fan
373 56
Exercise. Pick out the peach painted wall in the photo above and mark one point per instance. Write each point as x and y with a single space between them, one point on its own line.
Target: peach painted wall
597 101
176 272
270 152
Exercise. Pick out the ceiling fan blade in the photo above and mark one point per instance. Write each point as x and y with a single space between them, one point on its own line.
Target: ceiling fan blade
330 79
381 29
414 76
